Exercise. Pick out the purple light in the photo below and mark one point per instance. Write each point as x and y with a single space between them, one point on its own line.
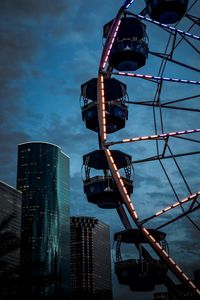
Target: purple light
169 27
127 4
157 77
109 45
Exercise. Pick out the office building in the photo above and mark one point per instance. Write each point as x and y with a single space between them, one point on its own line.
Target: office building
161 296
90 259
43 178
10 228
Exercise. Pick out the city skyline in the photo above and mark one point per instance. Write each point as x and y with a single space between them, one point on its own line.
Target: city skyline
48 52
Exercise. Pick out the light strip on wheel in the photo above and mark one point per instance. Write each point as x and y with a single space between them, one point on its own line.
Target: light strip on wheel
121 185
102 104
127 4
168 258
154 137
169 27
157 78
111 44
176 204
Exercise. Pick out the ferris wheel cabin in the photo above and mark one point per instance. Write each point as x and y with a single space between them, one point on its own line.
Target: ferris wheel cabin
129 50
116 109
101 189
166 11
141 274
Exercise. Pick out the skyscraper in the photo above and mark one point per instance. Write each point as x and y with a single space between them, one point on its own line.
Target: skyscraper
90 259
43 178
10 229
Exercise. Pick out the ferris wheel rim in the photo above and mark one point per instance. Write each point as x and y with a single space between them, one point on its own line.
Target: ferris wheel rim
105 145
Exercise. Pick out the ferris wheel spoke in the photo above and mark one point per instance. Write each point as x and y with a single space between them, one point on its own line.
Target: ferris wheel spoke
162 136
187 139
158 78
171 28
193 19
110 40
125 50
168 57
182 99
184 214
192 197
170 262
123 216
162 105
127 3
159 157
189 42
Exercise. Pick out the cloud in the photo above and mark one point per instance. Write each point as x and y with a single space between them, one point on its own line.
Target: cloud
8 154
33 8
48 49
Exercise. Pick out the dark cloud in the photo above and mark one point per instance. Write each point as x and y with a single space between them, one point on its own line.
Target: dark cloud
65 132
8 154
33 8
48 49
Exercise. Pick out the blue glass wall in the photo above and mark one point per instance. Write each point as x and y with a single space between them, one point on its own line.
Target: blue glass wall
43 177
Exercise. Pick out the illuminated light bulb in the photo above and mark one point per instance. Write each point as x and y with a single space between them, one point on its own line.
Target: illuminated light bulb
145 230
134 213
159 213
184 200
158 245
128 198
112 160
177 267
184 275
109 153
167 208
118 175
176 204
166 254
115 167
152 238
172 261
121 181
125 190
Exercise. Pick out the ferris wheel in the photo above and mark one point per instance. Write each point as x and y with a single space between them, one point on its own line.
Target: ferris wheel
159 42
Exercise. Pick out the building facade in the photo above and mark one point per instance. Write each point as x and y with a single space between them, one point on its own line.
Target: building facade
10 231
90 259
161 296
44 180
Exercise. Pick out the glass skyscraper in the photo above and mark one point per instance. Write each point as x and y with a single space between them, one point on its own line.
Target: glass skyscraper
10 220
90 259
43 178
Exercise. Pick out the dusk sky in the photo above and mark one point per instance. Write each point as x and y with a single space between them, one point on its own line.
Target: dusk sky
48 50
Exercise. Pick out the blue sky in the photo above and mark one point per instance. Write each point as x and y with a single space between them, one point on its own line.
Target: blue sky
48 49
